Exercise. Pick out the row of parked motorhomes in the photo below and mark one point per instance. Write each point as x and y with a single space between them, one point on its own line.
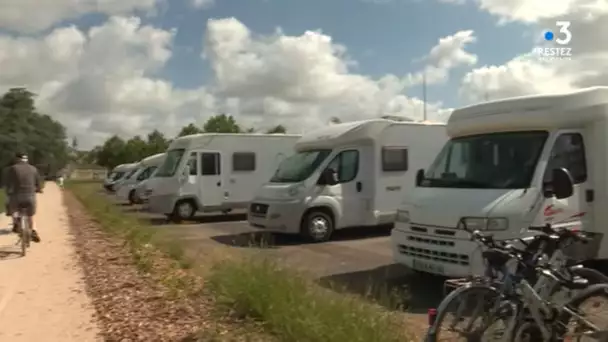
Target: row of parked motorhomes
500 166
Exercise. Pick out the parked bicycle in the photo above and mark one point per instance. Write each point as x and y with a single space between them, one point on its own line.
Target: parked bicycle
503 305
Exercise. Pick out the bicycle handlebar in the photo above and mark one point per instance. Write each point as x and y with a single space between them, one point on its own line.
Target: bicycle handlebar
562 234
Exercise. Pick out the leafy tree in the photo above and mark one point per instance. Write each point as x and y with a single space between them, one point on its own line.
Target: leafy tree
24 129
157 143
277 129
189 130
222 124
112 152
335 120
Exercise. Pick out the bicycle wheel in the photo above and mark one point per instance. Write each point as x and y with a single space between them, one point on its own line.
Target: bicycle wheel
470 305
585 316
562 293
25 234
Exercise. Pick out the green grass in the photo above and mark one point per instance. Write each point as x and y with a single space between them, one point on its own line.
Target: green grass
288 304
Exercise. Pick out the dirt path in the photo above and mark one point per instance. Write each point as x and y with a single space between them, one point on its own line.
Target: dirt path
42 296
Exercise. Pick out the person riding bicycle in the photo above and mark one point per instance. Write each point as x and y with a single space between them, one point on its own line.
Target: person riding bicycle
22 182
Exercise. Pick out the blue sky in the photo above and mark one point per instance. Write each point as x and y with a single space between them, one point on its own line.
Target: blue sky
382 37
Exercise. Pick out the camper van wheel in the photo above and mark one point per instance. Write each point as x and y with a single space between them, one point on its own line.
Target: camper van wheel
132 197
318 225
183 210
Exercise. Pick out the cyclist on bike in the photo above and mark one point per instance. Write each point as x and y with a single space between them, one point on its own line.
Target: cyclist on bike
22 183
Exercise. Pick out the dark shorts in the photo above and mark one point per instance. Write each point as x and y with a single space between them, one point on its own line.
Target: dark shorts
27 202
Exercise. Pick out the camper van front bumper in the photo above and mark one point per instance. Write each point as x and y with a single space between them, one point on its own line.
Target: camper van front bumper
161 204
283 217
432 254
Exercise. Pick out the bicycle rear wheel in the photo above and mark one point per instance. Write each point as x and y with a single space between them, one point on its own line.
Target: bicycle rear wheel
463 314
585 317
25 234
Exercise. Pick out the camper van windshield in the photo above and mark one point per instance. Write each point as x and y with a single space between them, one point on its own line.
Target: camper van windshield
299 166
487 161
118 175
169 166
131 173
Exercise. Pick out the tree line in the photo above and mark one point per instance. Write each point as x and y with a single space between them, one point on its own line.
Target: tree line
116 151
23 129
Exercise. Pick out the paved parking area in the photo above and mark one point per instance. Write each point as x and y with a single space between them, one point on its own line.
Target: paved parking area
359 259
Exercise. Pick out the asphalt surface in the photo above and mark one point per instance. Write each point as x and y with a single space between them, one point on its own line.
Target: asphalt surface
358 259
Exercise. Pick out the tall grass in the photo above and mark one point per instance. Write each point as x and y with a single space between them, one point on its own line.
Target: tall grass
289 305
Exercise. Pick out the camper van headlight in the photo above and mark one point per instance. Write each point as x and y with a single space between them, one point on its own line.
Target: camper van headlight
482 223
403 216
294 191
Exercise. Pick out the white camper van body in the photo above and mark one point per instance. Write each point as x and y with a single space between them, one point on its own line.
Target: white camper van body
375 162
215 172
502 155
117 174
143 170
141 189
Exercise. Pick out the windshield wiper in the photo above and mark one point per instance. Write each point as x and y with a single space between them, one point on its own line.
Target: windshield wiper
456 183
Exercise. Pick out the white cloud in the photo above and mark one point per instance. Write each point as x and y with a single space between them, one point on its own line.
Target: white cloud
526 75
303 81
203 3
35 15
105 80
102 81
448 54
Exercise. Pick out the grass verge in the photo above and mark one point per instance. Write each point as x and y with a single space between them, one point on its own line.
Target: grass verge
288 305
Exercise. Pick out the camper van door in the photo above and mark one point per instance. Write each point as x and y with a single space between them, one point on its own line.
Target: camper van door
211 187
349 191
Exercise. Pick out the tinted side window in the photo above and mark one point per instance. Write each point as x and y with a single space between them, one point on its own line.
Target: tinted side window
193 164
568 152
394 159
210 164
243 161
346 164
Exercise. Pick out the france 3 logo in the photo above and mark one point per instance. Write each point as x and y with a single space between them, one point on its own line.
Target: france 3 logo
562 38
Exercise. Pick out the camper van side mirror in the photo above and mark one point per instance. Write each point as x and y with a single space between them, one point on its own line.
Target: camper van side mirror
562 183
419 177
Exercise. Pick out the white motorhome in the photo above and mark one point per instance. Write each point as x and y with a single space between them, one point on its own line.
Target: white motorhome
143 171
141 189
345 175
215 172
502 172
117 174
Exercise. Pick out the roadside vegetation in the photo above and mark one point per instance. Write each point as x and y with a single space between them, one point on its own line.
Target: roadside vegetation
256 292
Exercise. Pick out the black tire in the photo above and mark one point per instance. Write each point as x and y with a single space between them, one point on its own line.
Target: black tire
183 210
132 199
317 226
463 295
592 276
597 290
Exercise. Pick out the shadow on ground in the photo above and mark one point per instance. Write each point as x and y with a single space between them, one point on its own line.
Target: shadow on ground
393 286
203 219
261 239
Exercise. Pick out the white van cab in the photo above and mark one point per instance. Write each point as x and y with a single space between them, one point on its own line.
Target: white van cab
117 175
215 172
509 165
143 170
345 175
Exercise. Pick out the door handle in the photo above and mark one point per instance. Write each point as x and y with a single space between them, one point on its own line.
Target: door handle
359 186
219 183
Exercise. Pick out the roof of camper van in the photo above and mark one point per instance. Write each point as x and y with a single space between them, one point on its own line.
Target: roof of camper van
155 158
202 139
123 167
566 110
351 132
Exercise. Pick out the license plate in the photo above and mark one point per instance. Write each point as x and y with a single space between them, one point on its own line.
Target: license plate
427 267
